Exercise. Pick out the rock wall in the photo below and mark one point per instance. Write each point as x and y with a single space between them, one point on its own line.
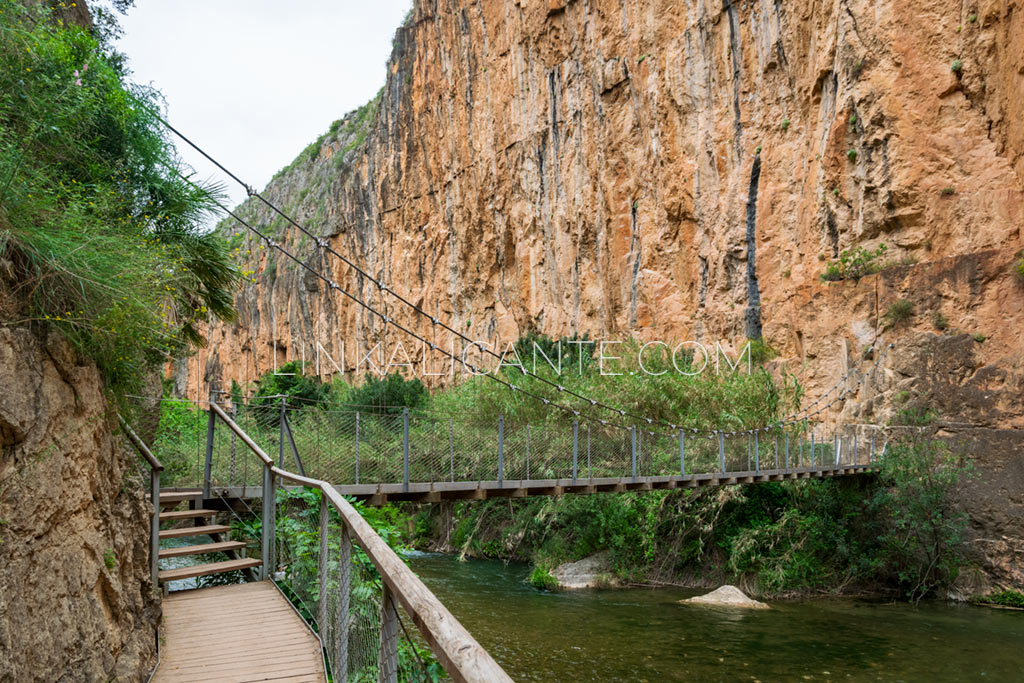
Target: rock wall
671 170
76 601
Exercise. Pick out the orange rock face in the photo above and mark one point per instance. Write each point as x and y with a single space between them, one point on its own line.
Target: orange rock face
590 167
671 170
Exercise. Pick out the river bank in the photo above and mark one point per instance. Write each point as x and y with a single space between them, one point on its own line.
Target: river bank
639 634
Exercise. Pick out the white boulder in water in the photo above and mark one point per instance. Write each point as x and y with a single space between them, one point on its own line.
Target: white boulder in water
726 596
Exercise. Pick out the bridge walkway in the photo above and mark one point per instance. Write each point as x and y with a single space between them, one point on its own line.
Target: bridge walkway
242 632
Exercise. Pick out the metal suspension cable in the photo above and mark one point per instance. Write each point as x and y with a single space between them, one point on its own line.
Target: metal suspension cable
389 321
324 244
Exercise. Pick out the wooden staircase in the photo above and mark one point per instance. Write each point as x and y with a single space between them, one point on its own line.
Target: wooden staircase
201 525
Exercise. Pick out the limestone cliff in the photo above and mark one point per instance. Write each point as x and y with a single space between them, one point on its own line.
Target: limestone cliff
675 170
76 600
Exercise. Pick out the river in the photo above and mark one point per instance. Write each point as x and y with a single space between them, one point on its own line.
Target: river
646 635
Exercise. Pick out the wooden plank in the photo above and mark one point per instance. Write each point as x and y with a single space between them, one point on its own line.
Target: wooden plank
238 633
186 550
206 569
195 531
178 496
186 514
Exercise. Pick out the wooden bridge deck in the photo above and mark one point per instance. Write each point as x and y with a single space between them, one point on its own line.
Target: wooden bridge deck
243 632
432 492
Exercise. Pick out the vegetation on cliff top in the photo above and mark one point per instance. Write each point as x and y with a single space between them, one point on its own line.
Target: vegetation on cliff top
99 233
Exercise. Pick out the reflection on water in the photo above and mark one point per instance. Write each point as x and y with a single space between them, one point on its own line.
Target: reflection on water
646 635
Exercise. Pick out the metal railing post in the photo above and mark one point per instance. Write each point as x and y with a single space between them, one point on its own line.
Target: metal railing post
835 451
812 450
451 446
527 452
281 436
682 454
590 473
776 450
325 529
344 594
405 449
871 454
267 529
208 466
154 528
234 438
357 447
633 432
787 450
501 451
748 451
387 667
854 447
721 452
575 448
757 454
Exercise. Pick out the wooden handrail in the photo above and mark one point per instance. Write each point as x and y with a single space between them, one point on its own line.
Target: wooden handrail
140 445
457 651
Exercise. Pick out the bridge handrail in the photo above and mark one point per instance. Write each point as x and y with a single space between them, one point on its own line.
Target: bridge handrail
155 468
455 648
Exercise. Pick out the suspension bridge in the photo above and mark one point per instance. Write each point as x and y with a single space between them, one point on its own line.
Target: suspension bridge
322 594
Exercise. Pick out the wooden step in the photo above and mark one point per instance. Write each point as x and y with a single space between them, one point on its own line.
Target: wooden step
185 514
201 549
195 531
207 569
178 496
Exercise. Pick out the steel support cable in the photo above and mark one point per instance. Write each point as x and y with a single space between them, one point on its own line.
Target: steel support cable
387 320
325 245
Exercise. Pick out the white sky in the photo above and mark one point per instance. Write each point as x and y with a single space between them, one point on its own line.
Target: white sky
255 82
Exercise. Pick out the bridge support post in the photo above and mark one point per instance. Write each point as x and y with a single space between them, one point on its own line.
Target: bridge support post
787 450
357 447
208 466
854 447
632 431
835 450
721 452
812 450
682 454
387 667
154 528
575 448
405 449
501 451
267 529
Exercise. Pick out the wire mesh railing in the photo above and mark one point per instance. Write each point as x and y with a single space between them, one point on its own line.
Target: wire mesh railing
344 579
349 448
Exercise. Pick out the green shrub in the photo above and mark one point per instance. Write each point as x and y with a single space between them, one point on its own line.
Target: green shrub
972 17
957 66
1005 598
784 125
923 537
851 155
109 558
103 237
854 264
387 395
899 311
761 351
1018 269
947 191
913 417
978 337
940 321
542 579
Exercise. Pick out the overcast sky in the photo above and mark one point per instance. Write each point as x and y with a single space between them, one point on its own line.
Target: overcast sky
255 82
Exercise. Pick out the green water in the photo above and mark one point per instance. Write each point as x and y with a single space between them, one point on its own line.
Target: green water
645 635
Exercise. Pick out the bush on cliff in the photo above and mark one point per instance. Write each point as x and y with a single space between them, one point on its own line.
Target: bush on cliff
99 234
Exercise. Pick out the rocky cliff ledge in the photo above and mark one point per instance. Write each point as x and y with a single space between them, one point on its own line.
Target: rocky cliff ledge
76 601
